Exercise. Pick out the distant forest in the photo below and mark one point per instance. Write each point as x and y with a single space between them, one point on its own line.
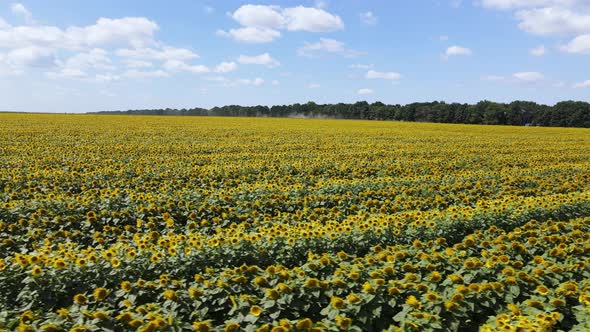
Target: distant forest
517 113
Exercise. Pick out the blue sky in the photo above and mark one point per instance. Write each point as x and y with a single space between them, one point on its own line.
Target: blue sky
79 56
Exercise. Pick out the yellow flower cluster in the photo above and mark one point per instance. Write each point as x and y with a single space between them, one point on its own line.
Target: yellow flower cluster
227 224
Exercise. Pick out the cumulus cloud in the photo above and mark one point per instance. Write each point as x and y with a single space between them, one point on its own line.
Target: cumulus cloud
227 82
94 59
260 16
365 91
372 74
510 4
311 20
529 76
70 73
360 66
263 59
369 18
492 78
538 51
181 66
261 23
20 9
584 84
132 63
580 44
457 51
14 62
137 74
226 67
162 53
253 35
4 24
551 21
326 45
134 31
547 17
106 77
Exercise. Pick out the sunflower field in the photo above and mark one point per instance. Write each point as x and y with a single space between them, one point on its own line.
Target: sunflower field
138 223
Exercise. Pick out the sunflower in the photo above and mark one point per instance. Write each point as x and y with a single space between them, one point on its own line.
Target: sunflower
343 322
304 324
413 302
126 286
101 315
169 294
311 283
542 290
36 271
255 310
432 297
100 294
80 299
336 302
451 305
353 298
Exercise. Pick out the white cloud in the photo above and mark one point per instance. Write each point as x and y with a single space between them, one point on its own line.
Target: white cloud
31 56
20 9
311 19
364 92
457 50
259 16
443 38
132 63
368 18
326 45
275 82
136 74
3 24
538 51
14 62
253 35
492 78
360 66
263 59
372 74
180 66
584 84
163 53
322 4
226 67
529 76
260 23
580 44
71 73
313 86
208 9
510 4
94 59
551 21
224 81
127 31
107 78
257 81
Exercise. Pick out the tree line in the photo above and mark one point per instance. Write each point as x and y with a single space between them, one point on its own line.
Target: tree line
516 113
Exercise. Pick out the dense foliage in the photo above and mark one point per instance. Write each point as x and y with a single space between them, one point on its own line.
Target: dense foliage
227 224
518 113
